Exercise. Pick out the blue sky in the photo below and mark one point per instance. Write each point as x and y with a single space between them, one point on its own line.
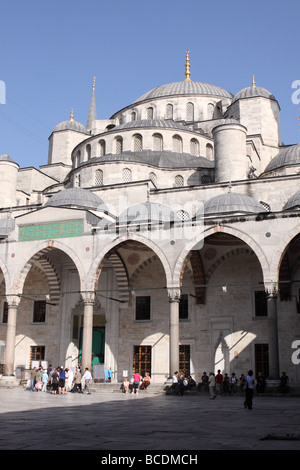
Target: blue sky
51 50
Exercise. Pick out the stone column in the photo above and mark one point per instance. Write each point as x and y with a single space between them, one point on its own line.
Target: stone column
87 338
273 332
174 298
13 303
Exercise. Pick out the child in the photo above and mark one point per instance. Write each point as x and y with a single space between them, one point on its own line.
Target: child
126 385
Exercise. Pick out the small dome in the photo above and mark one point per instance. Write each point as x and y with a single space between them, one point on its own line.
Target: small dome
78 197
185 88
293 202
70 125
6 158
253 92
148 212
286 157
231 203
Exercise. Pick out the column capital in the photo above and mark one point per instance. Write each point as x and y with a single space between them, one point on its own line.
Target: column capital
271 289
174 294
13 300
88 297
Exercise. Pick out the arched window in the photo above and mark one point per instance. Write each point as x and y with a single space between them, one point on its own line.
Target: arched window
102 147
194 148
177 143
126 175
157 142
209 152
169 111
133 116
119 145
190 112
88 152
150 113
78 158
153 178
137 143
179 181
98 178
210 110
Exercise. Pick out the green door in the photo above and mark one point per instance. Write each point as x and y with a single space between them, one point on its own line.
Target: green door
98 345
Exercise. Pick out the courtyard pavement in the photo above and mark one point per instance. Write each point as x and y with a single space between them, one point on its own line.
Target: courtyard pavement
114 422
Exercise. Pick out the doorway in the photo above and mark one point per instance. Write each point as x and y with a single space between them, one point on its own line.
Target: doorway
98 345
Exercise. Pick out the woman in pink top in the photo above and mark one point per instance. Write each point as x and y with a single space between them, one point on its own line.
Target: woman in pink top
136 382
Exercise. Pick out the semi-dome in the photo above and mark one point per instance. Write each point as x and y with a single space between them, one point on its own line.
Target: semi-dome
185 88
293 202
76 197
253 92
70 125
232 203
148 212
286 157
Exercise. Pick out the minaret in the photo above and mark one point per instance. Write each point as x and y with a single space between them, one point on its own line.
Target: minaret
187 67
92 111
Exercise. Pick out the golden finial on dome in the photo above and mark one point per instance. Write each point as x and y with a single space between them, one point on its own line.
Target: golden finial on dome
253 80
94 81
187 67
72 115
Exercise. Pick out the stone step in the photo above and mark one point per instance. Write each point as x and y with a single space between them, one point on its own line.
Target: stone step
117 388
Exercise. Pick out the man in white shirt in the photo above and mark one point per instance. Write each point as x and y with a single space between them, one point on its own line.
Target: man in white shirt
211 385
87 377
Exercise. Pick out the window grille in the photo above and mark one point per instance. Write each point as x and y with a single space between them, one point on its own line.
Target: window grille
137 143
189 112
119 145
39 311
149 113
178 181
98 178
169 111
142 307
157 142
142 360
183 215
177 144
126 175
153 177
194 147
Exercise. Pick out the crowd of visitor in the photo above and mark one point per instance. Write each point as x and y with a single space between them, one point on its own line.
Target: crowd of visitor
59 380
219 384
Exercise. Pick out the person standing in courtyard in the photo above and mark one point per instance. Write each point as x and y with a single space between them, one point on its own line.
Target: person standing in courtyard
136 382
87 378
250 382
211 385
219 383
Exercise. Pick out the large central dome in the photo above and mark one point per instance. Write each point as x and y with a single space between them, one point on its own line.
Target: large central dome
185 88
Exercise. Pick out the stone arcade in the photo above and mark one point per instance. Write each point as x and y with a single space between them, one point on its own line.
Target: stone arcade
165 237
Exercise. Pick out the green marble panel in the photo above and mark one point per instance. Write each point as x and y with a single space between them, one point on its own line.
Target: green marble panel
48 231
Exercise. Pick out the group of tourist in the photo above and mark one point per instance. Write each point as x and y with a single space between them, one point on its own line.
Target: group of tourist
138 383
59 380
219 384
